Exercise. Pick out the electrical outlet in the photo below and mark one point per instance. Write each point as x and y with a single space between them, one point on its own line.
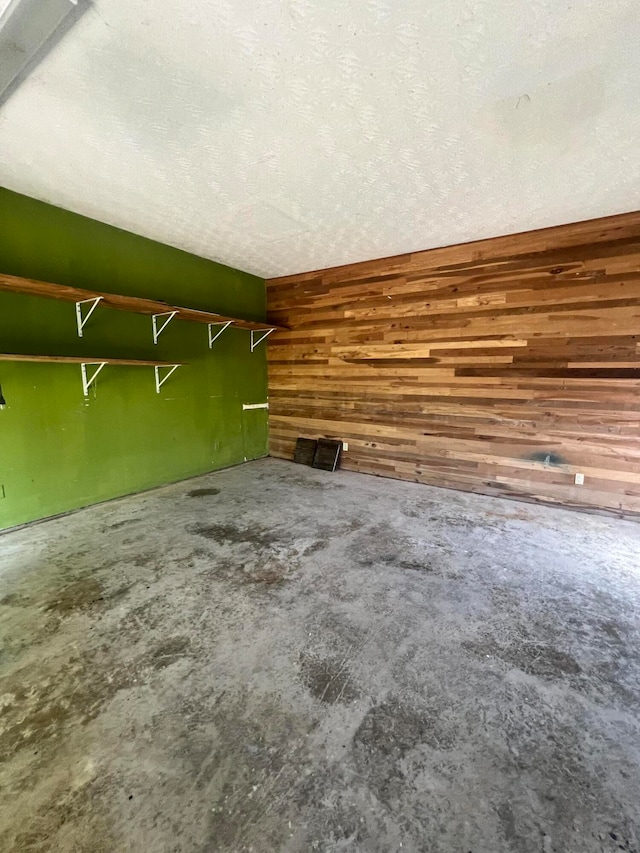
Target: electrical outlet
579 479
345 445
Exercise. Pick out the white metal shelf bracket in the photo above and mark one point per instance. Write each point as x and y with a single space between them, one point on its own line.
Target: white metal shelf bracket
160 380
212 337
82 320
254 342
87 381
158 329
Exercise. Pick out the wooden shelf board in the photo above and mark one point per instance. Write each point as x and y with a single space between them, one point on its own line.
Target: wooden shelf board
132 304
84 359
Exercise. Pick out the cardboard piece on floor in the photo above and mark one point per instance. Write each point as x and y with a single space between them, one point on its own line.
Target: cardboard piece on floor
305 451
327 454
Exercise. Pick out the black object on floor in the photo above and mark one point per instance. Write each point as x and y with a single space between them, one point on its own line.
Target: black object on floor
327 454
305 451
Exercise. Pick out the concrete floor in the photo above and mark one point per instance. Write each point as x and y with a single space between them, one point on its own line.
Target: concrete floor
273 658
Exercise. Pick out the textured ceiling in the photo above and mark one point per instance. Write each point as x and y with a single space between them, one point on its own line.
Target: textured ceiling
285 135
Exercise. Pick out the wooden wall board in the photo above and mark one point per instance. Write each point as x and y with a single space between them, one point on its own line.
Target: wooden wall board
504 367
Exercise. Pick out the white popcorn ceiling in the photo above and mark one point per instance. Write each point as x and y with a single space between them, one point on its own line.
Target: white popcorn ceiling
280 136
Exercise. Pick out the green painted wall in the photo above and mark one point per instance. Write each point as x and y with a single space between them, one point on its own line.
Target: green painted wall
60 450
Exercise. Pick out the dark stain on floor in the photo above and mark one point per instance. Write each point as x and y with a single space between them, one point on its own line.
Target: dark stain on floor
142 560
166 653
38 713
202 493
257 760
295 479
235 534
329 679
67 813
79 595
264 570
383 545
15 599
270 573
508 823
82 594
394 727
538 659
387 745
118 524
318 545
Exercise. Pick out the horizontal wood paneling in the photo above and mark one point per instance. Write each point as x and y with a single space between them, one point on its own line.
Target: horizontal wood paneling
504 366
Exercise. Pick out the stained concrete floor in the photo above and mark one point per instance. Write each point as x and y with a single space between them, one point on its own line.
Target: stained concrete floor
273 658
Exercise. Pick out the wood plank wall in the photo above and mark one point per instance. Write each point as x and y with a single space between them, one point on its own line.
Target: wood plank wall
504 366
